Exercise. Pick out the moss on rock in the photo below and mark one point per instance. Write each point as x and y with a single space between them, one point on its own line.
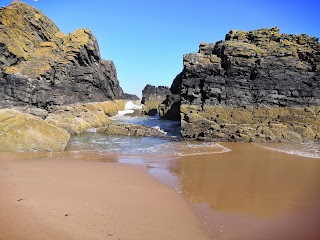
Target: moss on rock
20 132
79 118
251 124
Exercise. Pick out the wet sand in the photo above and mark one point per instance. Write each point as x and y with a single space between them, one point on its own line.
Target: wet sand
252 193
64 198
247 193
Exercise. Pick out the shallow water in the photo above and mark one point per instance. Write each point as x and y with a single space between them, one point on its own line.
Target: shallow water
310 150
253 193
239 190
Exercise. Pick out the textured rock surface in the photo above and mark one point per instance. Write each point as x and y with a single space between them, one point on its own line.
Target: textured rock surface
153 93
41 66
78 118
20 132
131 130
151 108
257 74
152 97
251 124
131 97
170 108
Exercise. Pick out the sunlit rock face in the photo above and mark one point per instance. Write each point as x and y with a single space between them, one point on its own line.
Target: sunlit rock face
253 86
41 66
153 93
21 132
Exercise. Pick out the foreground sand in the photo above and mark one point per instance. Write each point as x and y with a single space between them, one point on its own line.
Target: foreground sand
67 198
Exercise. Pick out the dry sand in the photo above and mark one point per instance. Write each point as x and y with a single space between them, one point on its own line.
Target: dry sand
65 198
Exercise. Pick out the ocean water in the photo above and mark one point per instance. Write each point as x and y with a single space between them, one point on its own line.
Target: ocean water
170 146
238 190
310 149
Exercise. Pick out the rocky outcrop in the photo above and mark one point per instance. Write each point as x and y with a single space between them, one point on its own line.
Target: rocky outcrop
131 130
132 97
170 108
78 118
42 67
152 97
153 93
254 86
20 132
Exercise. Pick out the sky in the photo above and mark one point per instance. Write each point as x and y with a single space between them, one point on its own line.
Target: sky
147 39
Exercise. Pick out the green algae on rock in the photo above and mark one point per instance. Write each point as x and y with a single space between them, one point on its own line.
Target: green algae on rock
131 130
41 66
78 118
21 132
254 86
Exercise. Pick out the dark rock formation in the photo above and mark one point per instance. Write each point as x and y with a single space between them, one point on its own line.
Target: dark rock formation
152 93
41 66
152 97
170 108
131 130
128 96
232 89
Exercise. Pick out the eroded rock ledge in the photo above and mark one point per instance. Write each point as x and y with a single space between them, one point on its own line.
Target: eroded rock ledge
254 86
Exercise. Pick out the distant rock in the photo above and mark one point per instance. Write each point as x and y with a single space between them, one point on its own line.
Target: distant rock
254 86
42 67
153 93
152 97
132 97
131 130
20 132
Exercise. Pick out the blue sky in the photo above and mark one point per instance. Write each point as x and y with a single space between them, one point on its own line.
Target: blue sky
146 39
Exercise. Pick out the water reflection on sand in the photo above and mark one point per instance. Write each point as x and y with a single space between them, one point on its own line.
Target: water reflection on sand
238 190
253 193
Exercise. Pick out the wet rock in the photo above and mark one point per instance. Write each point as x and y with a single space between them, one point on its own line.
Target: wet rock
131 130
152 97
170 108
150 108
78 118
250 124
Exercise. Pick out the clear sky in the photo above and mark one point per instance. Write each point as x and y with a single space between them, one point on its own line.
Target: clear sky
146 39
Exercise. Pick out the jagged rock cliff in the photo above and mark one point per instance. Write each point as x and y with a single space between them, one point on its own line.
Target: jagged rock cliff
254 86
153 93
41 66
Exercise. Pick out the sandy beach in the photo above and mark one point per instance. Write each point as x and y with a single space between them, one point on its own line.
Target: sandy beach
65 198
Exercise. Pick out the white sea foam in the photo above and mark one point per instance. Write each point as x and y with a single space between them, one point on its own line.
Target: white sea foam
309 150
128 109
143 146
91 130
123 112
131 106
159 129
202 149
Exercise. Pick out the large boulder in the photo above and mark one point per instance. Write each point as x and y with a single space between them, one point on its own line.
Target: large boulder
253 86
21 132
41 66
